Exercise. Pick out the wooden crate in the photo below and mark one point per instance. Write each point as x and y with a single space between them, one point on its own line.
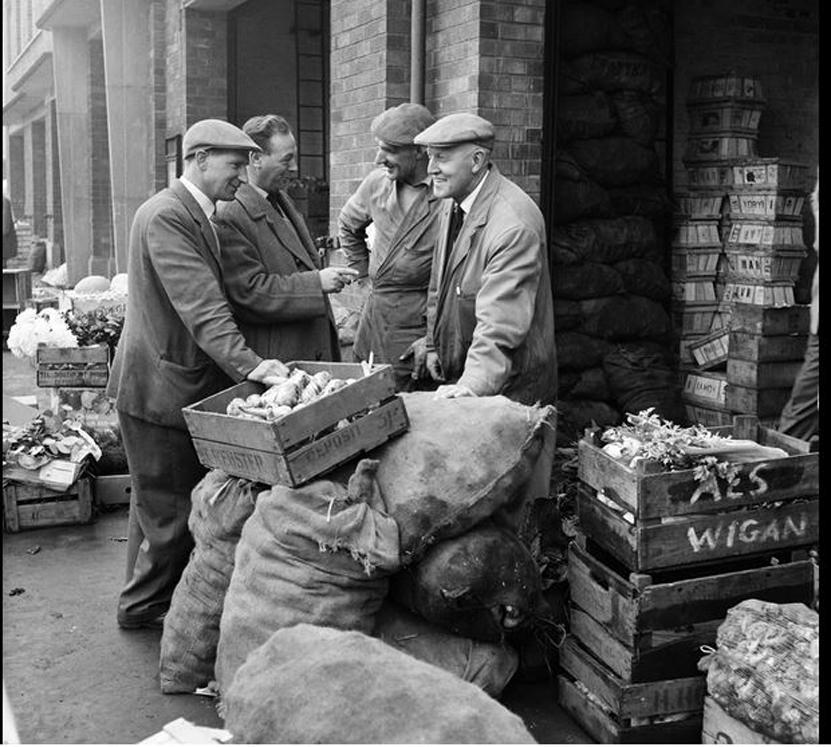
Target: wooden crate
761 320
755 265
648 627
601 724
695 261
34 506
87 366
718 146
700 205
730 116
762 233
112 490
759 292
763 403
709 417
762 375
708 389
770 204
653 520
711 350
745 346
750 173
694 290
697 233
691 319
719 727
706 89
292 450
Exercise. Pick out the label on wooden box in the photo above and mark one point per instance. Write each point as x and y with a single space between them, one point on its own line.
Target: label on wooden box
708 388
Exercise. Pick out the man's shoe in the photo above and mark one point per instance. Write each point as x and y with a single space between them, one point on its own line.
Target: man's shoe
154 623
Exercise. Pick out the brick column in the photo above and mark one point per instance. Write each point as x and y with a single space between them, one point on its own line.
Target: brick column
54 220
38 174
102 261
17 174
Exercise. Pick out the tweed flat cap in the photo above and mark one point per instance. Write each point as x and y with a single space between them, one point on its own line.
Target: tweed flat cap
455 129
398 125
215 133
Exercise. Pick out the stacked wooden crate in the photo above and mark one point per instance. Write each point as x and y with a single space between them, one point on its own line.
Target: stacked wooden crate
660 559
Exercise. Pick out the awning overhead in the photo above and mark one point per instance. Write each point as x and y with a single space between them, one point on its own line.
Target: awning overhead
58 13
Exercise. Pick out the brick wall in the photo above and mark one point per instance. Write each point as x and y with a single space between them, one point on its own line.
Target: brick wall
102 224
53 176
159 104
206 68
17 174
39 225
174 95
775 41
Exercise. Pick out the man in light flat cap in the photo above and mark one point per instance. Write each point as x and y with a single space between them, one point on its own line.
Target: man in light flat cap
270 265
397 200
490 318
180 344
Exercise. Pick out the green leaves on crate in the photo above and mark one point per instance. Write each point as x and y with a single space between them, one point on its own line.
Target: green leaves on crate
95 327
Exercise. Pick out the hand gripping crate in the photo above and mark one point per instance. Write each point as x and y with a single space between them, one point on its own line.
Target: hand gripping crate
307 442
650 520
87 366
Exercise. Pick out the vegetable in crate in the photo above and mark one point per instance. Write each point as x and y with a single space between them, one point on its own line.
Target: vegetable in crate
97 327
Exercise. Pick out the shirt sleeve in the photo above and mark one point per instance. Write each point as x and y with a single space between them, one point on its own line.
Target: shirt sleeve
353 220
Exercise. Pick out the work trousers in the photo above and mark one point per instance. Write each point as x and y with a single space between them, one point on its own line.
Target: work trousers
800 416
164 469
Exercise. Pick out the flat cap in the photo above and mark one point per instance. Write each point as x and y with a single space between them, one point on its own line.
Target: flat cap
455 129
215 133
398 125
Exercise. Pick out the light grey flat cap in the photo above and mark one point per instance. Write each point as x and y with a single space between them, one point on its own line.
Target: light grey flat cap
400 124
455 129
215 133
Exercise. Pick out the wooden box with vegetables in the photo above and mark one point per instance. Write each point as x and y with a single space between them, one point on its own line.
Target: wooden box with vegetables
87 366
664 496
322 415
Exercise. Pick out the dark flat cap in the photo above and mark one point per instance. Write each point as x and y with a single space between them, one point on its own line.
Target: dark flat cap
455 129
215 133
400 124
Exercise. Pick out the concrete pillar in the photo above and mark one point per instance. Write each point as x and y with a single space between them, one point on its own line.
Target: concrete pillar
39 157
128 65
54 214
17 174
71 65
28 182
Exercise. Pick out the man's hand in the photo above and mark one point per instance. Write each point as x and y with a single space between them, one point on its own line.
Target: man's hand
424 362
269 372
451 391
332 279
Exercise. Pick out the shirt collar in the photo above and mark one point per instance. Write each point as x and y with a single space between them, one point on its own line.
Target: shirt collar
205 202
467 203
261 192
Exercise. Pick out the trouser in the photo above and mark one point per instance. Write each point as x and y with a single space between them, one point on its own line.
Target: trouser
800 416
164 469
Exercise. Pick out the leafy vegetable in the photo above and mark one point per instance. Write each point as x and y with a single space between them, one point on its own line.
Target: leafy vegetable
95 327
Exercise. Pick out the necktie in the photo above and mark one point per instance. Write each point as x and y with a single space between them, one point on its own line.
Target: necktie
212 224
456 219
275 203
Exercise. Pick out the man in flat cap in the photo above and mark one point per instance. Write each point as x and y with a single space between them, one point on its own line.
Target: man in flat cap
270 265
398 201
180 344
490 318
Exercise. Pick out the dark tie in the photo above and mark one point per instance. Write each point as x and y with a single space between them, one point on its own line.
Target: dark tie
275 203
456 219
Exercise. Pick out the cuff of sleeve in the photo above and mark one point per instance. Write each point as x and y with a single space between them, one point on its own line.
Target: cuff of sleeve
479 387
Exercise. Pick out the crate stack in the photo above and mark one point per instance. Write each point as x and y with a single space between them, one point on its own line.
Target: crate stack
754 205
660 559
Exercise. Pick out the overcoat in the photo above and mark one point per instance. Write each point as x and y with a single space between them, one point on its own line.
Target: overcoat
180 342
394 314
271 273
490 313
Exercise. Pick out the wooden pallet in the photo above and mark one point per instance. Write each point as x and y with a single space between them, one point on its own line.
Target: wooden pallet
293 449
34 506
647 627
663 519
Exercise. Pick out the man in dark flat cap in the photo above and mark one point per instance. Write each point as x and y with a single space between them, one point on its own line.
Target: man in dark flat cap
180 344
270 265
490 318
398 201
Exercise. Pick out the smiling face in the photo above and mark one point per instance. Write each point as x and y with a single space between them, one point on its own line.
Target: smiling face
220 172
276 166
456 170
403 163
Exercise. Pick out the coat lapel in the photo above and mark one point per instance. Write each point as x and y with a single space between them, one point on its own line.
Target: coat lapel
412 227
306 251
208 236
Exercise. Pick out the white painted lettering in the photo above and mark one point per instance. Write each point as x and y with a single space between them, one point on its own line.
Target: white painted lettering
791 528
745 535
771 533
708 536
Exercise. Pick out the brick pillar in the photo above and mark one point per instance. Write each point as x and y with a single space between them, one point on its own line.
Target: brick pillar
39 190
159 53
54 212
28 184
486 57
102 261
17 174
369 66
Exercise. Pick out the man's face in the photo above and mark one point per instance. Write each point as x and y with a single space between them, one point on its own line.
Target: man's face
222 172
276 167
400 162
455 170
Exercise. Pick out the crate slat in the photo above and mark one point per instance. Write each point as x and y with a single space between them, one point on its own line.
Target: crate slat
762 375
32 506
745 346
761 320
763 403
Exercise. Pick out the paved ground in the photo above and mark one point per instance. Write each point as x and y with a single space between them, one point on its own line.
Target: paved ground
73 677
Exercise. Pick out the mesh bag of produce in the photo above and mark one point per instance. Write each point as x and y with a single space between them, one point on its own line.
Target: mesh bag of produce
765 669
317 685
320 554
220 506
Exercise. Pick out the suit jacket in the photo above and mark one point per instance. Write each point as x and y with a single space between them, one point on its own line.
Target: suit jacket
270 269
395 311
9 234
180 342
490 314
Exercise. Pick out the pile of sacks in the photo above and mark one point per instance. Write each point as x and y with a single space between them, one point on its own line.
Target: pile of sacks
380 598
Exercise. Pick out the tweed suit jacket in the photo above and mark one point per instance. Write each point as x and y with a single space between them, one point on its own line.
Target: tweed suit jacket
271 274
490 314
180 342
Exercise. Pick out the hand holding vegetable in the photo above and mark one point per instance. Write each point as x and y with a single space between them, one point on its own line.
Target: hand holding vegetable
269 372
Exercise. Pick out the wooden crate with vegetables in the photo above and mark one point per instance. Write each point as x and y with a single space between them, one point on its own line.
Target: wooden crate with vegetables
663 496
87 366
321 416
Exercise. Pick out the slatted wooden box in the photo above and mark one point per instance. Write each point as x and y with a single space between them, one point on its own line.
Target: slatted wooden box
693 318
745 232
751 173
648 627
764 321
711 350
709 417
27 506
705 388
697 233
718 147
762 403
614 712
745 346
87 366
305 443
719 727
693 261
650 520
731 116
771 265
759 292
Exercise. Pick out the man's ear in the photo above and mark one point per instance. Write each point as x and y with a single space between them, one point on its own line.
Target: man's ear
201 159
254 157
480 160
